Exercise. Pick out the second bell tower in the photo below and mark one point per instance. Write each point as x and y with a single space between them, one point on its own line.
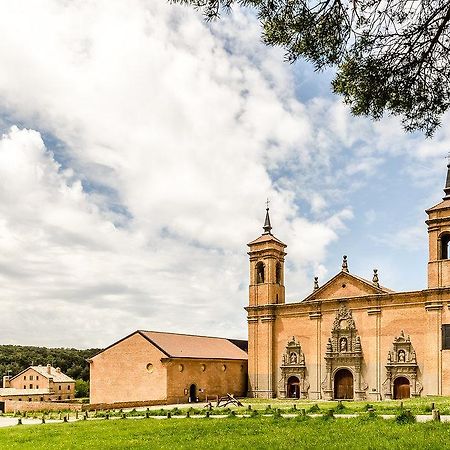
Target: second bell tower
439 240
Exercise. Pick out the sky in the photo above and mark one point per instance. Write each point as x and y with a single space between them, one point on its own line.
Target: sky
138 145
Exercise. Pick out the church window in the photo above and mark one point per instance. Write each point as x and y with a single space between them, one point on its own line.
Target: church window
278 273
224 367
260 272
445 241
445 337
31 386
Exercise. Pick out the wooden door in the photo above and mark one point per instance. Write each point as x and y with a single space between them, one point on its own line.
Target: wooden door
293 387
343 384
401 388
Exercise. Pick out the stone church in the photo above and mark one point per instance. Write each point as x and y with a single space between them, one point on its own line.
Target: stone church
350 338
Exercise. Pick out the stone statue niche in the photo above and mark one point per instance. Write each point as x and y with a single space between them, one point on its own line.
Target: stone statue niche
343 358
293 382
401 370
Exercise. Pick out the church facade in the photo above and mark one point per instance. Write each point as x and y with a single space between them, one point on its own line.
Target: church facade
351 338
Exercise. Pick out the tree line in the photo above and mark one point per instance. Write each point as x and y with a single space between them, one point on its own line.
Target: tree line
15 358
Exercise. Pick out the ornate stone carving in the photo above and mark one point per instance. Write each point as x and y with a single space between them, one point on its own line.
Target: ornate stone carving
402 362
344 351
293 365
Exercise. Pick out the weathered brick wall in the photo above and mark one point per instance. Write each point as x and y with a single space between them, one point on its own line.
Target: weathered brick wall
13 406
211 378
119 405
129 371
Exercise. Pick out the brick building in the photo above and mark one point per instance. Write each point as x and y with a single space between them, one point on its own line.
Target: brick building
38 383
168 367
351 337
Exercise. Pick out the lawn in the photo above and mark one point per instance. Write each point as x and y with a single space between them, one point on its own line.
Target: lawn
240 433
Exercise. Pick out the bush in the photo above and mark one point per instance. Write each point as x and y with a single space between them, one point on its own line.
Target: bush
404 417
314 408
340 407
81 389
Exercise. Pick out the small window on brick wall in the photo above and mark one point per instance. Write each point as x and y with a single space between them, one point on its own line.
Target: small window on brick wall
445 337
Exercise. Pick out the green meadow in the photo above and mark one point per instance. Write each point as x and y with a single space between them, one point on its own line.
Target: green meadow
309 425
239 433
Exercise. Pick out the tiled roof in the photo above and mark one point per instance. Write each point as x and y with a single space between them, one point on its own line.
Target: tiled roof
58 377
190 346
443 205
266 238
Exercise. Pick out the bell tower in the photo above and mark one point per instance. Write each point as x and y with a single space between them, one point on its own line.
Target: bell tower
266 290
266 268
439 240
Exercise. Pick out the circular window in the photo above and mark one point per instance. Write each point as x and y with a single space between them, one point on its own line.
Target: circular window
224 367
181 367
203 367
344 285
150 367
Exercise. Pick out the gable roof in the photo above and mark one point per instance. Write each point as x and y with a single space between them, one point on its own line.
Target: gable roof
337 287
58 377
190 346
176 345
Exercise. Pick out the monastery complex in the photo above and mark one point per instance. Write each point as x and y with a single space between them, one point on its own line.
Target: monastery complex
350 338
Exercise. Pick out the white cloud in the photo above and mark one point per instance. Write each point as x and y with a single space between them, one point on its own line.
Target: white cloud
170 132
173 132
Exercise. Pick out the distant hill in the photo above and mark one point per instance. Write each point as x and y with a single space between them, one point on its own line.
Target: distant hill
71 361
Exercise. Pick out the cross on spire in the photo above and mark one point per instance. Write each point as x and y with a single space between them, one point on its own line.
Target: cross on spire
267 226
447 181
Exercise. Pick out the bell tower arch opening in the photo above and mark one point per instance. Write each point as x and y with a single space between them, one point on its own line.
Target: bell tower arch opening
439 240
260 276
444 241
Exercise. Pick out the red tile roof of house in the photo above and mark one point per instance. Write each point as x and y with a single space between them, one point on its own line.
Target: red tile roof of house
190 346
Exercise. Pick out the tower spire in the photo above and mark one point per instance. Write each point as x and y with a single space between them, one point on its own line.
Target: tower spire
447 181
267 227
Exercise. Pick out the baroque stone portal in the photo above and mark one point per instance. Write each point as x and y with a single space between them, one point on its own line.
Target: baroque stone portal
401 370
293 382
343 359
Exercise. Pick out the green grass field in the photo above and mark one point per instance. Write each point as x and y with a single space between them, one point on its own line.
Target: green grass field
247 433
259 432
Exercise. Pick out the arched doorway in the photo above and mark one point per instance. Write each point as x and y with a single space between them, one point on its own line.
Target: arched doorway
193 393
401 388
293 387
343 384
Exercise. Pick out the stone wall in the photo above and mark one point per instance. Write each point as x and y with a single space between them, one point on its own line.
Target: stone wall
14 405
121 405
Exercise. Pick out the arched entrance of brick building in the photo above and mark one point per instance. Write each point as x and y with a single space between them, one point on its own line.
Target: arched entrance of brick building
293 387
402 388
192 393
343 384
